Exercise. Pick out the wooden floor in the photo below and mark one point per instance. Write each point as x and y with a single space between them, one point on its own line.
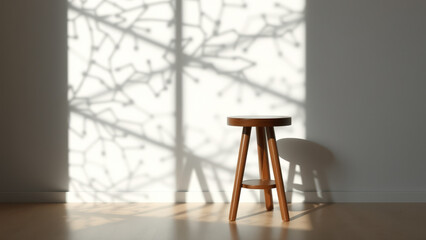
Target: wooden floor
209 221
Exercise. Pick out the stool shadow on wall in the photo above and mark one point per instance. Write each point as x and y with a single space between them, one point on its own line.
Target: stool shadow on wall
307 163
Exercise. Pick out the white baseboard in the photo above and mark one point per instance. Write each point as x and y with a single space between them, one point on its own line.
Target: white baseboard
219 196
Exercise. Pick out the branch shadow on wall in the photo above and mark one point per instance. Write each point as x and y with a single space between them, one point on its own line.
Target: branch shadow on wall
97 108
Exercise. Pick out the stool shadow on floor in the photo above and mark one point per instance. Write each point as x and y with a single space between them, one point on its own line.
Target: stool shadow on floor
307 167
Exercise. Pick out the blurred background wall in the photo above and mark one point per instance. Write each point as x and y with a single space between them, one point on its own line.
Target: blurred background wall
125 123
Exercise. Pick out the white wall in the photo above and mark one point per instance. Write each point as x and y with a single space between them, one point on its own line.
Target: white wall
361 100
33 85
143 129
365 93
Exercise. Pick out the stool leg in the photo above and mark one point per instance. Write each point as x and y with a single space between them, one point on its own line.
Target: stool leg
263 164
239 173
277 173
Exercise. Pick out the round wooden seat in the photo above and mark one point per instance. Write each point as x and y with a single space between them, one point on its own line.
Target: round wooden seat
259 121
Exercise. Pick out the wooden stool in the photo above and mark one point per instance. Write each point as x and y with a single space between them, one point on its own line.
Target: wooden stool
261 123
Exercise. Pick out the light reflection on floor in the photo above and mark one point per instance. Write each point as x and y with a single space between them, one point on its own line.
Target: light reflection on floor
249 213
210 221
